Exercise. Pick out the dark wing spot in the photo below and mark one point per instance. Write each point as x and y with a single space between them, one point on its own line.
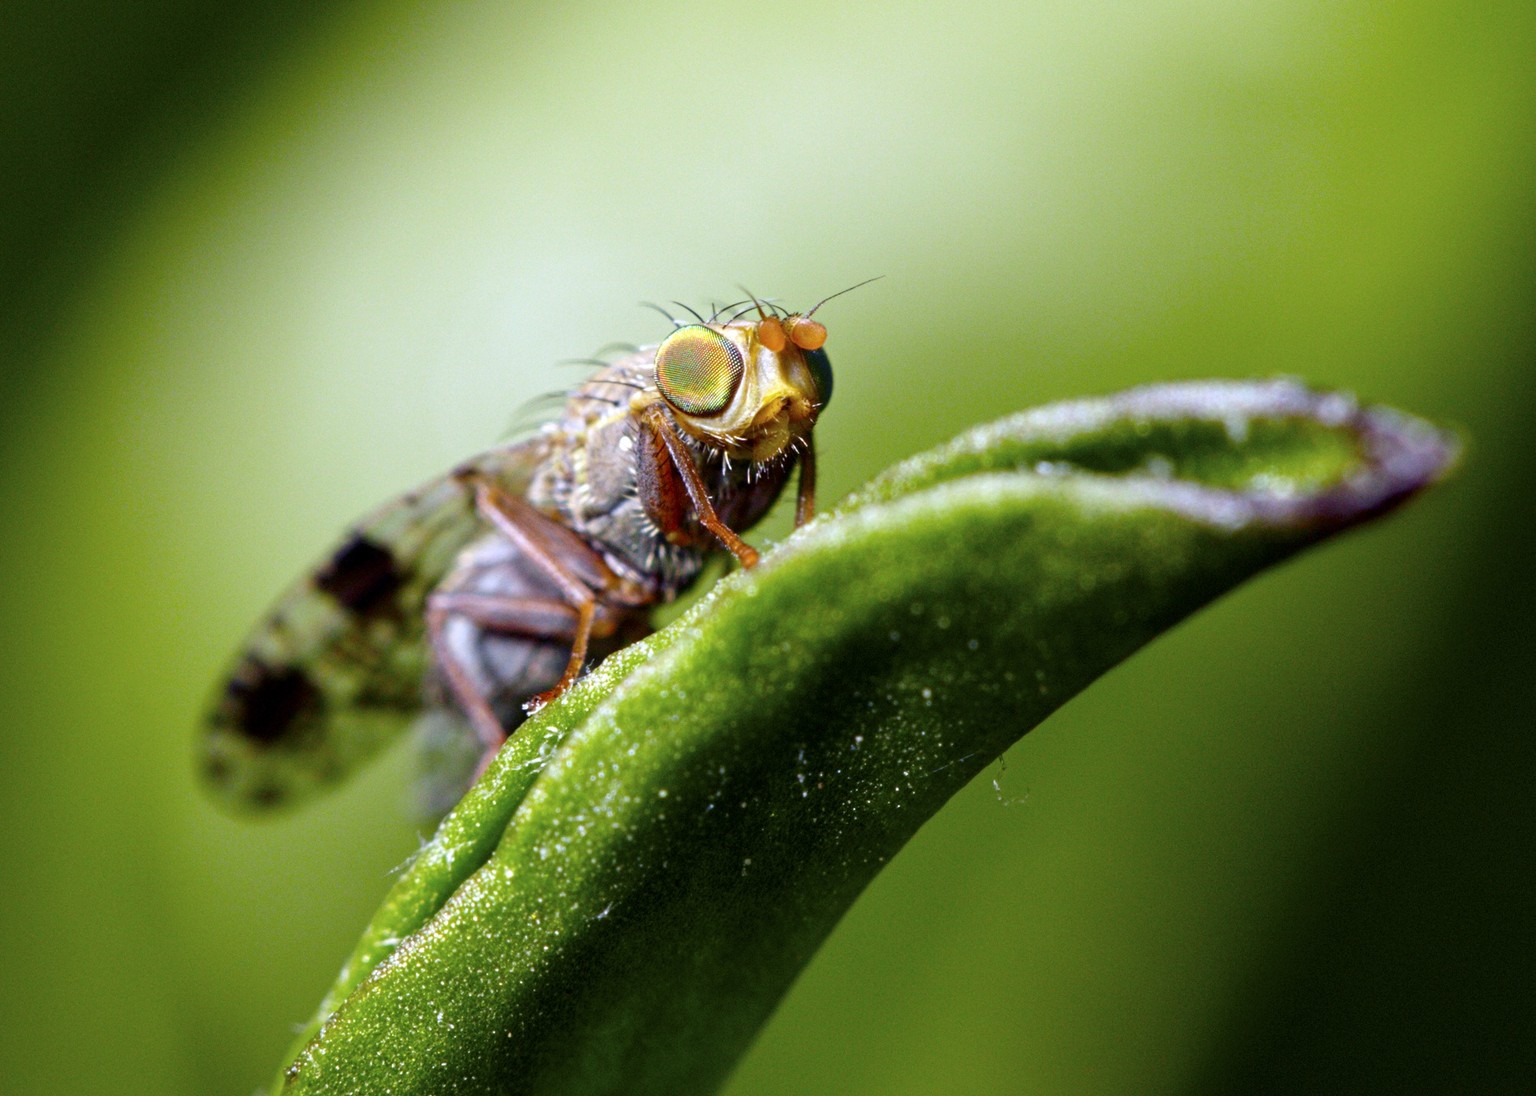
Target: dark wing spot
265 702
267 795
361 575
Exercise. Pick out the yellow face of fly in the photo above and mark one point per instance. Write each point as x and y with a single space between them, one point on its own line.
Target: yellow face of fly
746 387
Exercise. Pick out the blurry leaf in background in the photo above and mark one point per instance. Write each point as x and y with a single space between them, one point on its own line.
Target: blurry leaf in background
252 307
95 99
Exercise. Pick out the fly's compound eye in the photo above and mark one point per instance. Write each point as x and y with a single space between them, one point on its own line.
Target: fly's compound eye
821 372
698 370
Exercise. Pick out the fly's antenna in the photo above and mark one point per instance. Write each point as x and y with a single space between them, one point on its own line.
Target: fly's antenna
675 321
770 332
840 292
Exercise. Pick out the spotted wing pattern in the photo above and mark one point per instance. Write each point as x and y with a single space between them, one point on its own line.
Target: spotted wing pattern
337 668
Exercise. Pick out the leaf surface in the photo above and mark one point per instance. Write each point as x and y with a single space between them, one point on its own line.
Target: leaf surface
621 902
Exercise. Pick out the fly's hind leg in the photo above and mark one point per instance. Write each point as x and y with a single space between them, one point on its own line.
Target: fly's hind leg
583 578
530 617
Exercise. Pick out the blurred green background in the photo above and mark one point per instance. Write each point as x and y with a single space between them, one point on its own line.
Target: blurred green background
259 269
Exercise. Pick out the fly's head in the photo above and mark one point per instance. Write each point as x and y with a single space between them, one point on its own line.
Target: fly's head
750 388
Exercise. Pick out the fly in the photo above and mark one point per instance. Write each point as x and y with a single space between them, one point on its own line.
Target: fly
483 593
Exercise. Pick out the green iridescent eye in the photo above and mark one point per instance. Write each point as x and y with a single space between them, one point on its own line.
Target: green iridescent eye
698 370
821 372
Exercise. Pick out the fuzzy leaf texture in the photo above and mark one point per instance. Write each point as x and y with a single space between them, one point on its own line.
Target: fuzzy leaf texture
623 899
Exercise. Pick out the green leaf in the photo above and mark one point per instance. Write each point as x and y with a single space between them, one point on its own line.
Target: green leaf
623 899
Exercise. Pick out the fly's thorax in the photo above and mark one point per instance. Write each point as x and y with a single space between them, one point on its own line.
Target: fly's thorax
589 467
589 483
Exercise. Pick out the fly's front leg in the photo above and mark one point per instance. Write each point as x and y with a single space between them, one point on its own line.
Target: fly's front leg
682 460
805 499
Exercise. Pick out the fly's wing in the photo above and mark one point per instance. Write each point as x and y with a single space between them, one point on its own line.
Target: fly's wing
337 668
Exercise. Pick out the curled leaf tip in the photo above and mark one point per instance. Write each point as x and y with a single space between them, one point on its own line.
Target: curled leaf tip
1272 451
